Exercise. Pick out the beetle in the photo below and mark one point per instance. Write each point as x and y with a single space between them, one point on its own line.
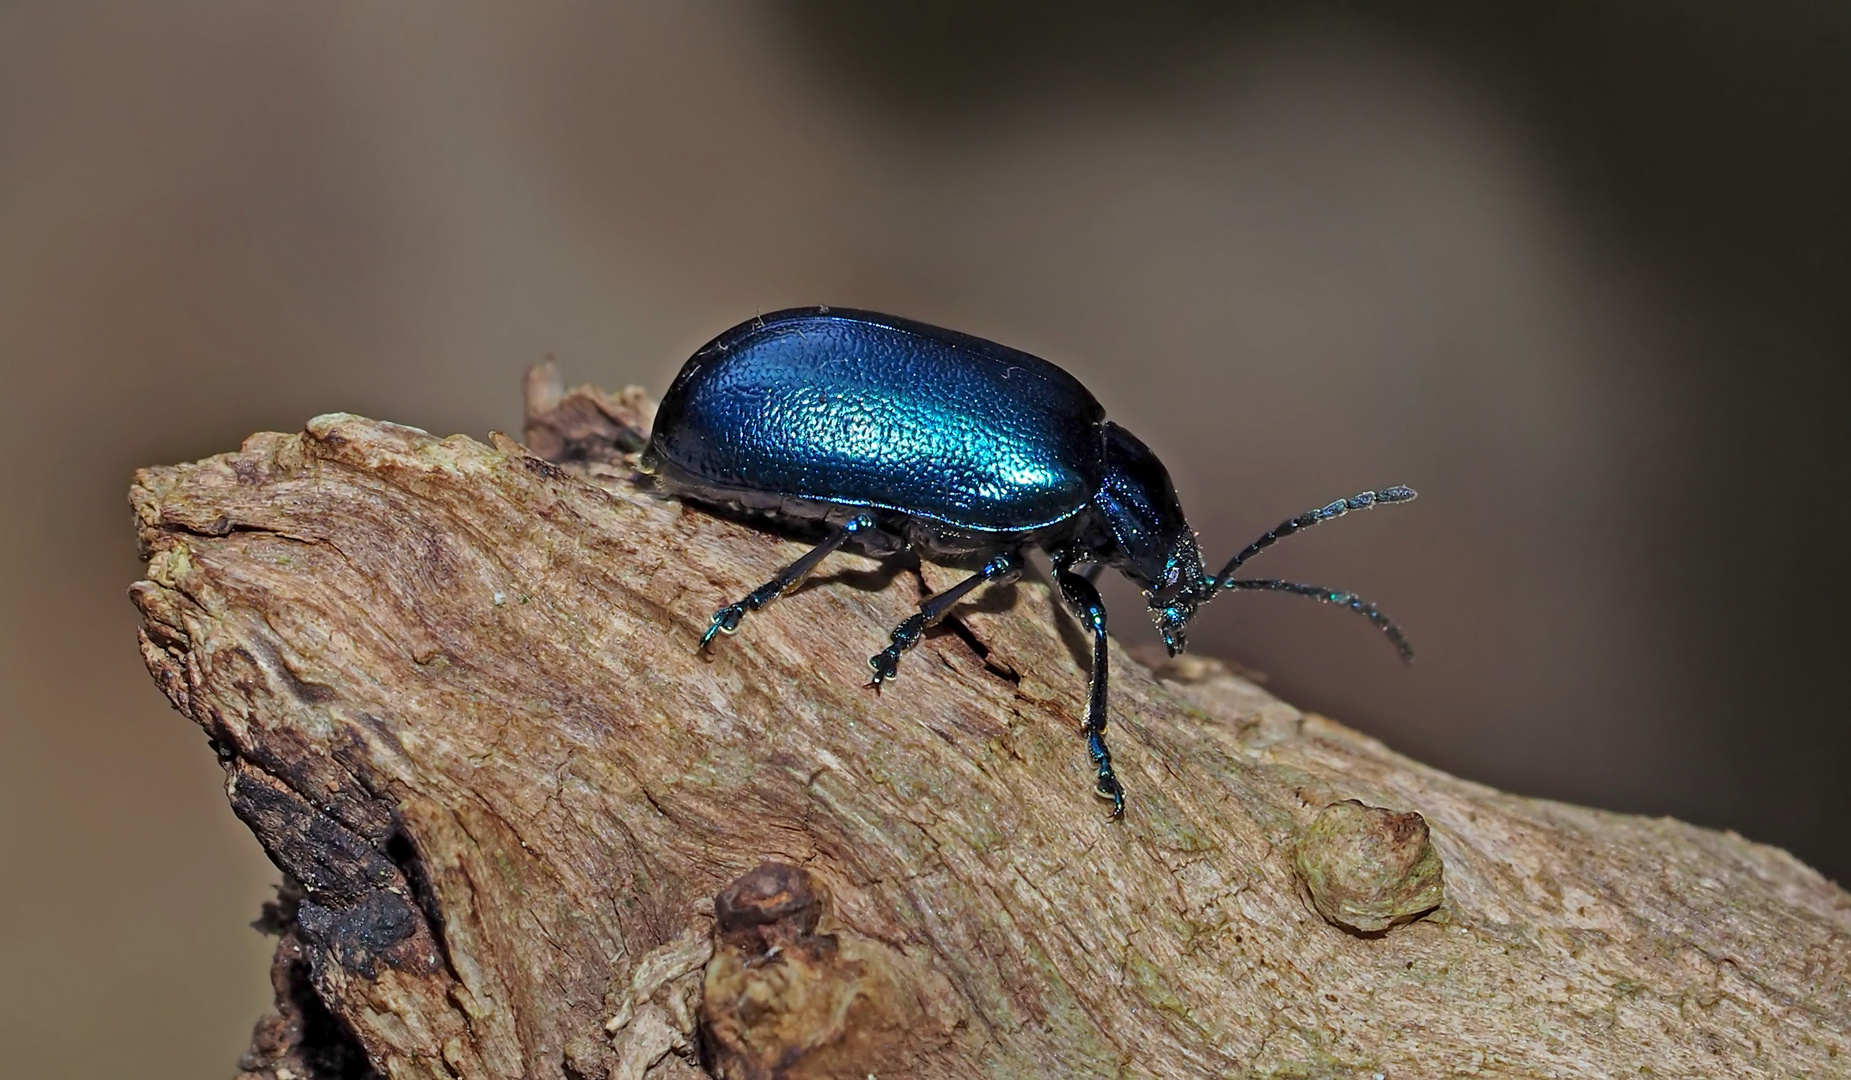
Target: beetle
892 435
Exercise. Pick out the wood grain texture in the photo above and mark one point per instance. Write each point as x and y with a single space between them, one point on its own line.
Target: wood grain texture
457 696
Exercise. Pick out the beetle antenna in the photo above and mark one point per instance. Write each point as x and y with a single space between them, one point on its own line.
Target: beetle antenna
1332 596
1364 501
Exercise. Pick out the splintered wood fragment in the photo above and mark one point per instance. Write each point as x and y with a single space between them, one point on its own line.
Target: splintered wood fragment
456 691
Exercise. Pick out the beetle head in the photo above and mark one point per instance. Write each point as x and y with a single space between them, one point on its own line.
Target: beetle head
1174 604
1150 542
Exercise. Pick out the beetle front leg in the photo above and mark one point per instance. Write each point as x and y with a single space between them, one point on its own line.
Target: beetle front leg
886 663
1083 598
727 619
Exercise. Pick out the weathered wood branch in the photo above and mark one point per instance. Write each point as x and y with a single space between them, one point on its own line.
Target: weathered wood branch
455 690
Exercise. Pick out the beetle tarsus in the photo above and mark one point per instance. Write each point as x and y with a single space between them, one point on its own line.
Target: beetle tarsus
886 663
725 621
1107 786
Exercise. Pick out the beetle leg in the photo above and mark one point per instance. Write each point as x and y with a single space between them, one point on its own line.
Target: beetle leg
1083 598
727 619
886 663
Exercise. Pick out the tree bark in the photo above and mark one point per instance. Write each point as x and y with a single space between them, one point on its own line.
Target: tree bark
528 829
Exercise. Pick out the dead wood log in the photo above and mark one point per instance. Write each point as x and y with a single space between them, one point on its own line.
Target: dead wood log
455 690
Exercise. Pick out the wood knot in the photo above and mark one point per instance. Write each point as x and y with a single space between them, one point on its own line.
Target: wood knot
769 894
1369 868
782 1000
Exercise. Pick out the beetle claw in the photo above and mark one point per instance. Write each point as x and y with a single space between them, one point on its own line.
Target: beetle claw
885 665
725 621
1109 788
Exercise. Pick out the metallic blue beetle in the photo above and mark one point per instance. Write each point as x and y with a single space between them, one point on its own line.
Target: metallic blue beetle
896 435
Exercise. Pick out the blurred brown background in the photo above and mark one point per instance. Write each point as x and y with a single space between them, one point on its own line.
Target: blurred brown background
1577 272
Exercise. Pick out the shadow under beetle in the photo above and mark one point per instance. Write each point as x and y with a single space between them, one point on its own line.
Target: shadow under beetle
896 435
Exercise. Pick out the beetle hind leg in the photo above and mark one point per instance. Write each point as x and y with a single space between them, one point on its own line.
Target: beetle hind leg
886 663
727 619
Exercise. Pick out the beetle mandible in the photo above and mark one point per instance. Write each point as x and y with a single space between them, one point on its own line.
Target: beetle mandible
895 435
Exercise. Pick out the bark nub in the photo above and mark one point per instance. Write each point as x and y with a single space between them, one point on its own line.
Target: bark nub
1368 868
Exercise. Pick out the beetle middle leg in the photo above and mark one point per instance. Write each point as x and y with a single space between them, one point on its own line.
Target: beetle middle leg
886 663
727 619
1084 599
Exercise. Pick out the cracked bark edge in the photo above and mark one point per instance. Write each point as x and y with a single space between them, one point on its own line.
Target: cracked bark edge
455 690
